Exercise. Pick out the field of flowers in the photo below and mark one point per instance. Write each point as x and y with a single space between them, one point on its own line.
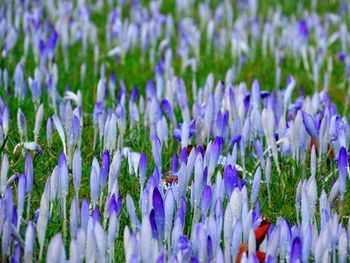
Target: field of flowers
174 131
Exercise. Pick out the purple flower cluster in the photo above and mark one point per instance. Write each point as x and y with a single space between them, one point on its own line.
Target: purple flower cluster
233 139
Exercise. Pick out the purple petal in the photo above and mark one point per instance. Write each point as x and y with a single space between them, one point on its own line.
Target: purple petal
209 249
94 184
28 169
14 216
143 168
183 155
230 180
16 256
154 228
310 125
215 152
21 194
342 162
63 170
104 168
156 151
168 110
174 164
184 247
256 185
85 213
158 206
260 152
206 199
77 169
295 254
161 258
96 215
74 217
29 241
342 169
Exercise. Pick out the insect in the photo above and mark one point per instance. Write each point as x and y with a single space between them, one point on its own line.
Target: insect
169 178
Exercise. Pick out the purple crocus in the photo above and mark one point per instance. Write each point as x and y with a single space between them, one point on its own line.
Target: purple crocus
77 170
49 131
296 250
158 206
22 125
215 151
310 126
230 179
74 218
256 186
94 185
104 168
84 213
168 110
29 242
21 194
4 171
56 251
342 170
157 151
206 199
183 248
142 169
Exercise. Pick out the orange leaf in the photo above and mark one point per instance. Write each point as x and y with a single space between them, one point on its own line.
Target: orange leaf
261 231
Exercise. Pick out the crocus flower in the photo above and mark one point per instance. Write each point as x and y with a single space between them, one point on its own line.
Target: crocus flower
21 194
49 131
4 171
77 170
29 242
56 250
342 170
74 219
33 146
22 125
158 205
95 185
310 126
203 205
146 237
142 169
59 127
38 122
114 170
6 238
28 167
296 250
104 168
256 185
215 151
42 221
156 151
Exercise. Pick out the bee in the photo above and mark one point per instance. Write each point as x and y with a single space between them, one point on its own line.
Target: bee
170 178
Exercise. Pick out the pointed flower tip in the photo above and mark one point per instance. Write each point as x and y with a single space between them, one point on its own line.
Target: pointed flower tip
309 124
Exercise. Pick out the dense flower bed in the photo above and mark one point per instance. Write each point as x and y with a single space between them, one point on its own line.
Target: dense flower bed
185 166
